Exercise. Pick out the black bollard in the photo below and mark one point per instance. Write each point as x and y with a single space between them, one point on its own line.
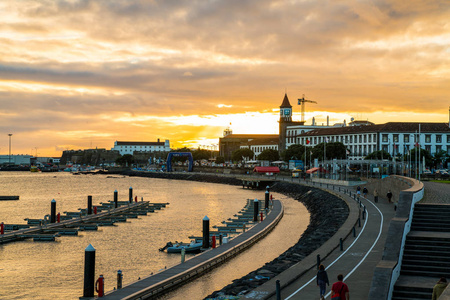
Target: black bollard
266 203
364 215
359 222
89 206
89 271
116 196
130 194
341 244
53 212
255 210
354 231
318 261
350 193
220 239
205 232
119 279
278 289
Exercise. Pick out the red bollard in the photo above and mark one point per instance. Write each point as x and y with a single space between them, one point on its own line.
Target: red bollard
2 228
135 199
213 241
261 216
271 198
95 210
100 286
58 218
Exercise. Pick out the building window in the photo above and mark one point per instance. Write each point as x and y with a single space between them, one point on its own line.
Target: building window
438 148
360 138
428 138
384 138
428 148
438 138
351 139
374 138
406 138
370 138
448 138
395 138
365 138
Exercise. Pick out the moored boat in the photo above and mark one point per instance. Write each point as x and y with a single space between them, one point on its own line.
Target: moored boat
176 248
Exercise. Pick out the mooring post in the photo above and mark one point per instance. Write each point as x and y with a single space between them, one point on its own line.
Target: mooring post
119 279
89 205
53 211
341 244
183 254
220 239
95 210
89 271
255 210
261 215
213 242
130 194
135 199
278 289
116 197
318 261
58 218
266 200
2 228
205 232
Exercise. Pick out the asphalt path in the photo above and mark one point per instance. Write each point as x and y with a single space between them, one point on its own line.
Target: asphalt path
356 261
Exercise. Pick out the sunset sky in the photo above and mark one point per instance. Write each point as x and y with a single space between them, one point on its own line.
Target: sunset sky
82 74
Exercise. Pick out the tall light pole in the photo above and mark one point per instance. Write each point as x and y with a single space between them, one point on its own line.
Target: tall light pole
9 157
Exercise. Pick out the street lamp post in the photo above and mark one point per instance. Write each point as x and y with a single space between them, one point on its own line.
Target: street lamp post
9 156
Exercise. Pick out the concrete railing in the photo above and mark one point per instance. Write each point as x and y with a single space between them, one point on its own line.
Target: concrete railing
388 269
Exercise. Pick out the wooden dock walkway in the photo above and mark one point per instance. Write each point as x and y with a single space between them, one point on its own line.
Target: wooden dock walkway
157 284
73 221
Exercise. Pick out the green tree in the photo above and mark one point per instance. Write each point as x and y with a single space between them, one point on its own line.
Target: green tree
294 152
269 154
423 153
220 160
240 154
200 154
440 157
125 159
333 150
379 154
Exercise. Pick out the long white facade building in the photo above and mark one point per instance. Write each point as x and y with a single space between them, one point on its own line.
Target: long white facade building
131 147
396 138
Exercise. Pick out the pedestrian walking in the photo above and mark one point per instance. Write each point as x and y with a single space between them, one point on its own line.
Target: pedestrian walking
339 290
389 196
358 190
322 281
375 195
365 192
439 288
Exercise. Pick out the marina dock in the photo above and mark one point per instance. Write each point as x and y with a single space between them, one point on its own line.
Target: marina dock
166 280
72 222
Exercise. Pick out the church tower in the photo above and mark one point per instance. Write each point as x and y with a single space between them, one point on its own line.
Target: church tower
285 120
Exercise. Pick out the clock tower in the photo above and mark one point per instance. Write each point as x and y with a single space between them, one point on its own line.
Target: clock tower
285 120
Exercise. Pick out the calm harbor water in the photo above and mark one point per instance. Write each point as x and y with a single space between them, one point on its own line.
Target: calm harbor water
54 270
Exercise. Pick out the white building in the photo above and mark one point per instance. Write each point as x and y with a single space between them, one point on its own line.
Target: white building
396 138
16 159
131 147
259 145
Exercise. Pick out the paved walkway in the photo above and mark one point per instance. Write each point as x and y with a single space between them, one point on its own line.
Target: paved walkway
356 262
436 192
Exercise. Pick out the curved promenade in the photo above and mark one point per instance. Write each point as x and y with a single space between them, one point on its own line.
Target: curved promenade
357 260
155 285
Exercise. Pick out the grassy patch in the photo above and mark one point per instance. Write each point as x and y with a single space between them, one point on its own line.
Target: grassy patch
441 181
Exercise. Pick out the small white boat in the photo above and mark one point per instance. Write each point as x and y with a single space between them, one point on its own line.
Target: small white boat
176 248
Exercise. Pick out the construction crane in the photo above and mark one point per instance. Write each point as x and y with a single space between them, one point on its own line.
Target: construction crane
301 102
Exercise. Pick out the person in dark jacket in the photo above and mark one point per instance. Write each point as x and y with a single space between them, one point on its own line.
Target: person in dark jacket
389 196
322 281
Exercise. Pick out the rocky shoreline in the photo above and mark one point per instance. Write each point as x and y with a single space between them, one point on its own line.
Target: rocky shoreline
327 214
